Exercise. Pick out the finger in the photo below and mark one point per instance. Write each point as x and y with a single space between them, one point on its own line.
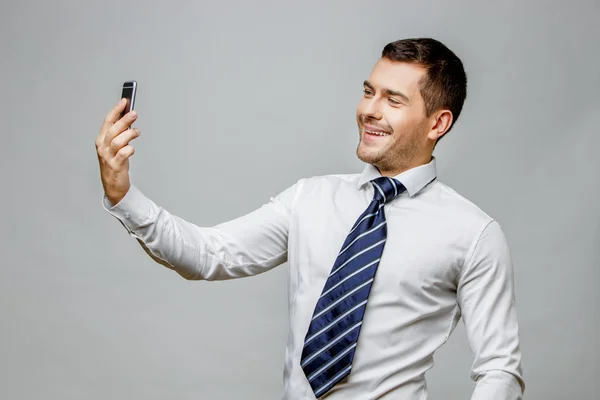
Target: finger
113 115
122 140
123 154
120 126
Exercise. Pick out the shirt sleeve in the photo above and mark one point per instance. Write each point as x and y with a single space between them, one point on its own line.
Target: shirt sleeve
248 245
486 297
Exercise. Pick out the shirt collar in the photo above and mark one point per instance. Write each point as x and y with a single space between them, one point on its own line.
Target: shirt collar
413 179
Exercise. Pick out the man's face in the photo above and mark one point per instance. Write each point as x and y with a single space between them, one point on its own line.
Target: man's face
392 106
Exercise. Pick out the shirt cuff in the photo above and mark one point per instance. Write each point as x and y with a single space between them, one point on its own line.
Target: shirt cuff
133 210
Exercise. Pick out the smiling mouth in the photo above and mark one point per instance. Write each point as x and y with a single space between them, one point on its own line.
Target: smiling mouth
377 133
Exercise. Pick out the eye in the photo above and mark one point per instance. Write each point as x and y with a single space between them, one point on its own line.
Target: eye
394 101
367 92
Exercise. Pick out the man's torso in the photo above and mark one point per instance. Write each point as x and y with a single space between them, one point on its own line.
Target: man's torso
412 306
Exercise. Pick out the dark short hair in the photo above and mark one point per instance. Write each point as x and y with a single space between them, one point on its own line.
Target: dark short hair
445 84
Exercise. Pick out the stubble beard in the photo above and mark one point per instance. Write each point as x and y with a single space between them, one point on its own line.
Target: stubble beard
395 156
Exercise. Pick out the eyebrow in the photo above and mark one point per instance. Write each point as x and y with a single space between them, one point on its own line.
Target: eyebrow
389 92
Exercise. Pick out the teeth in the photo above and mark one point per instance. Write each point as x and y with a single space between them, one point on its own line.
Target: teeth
377 133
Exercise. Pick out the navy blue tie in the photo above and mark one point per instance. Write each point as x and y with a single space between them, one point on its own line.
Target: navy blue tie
332 336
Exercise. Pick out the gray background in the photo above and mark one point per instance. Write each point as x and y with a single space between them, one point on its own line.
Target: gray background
237 100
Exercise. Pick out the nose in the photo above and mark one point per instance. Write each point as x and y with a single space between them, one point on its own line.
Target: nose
371 109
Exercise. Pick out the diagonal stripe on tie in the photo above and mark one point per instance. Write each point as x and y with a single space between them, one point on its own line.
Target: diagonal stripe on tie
334 329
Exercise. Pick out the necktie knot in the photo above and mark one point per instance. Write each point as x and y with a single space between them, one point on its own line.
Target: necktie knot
386 189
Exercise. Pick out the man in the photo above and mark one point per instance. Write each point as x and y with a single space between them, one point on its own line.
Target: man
365 317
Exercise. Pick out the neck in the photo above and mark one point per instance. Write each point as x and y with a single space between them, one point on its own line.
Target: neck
398 169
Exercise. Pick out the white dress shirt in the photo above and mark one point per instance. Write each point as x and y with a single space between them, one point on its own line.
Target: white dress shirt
444 258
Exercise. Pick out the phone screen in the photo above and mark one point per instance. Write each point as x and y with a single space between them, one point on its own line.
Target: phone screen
129 89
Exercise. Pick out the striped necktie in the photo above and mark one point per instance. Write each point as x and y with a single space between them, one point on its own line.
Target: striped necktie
333 332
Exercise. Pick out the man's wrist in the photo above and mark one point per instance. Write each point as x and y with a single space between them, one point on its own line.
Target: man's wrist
114 199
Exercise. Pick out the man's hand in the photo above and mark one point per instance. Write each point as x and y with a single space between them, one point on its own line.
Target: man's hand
114 150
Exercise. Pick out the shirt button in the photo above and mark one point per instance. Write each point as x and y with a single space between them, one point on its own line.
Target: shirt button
127 215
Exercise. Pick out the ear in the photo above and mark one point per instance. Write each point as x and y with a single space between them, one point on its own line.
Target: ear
441 120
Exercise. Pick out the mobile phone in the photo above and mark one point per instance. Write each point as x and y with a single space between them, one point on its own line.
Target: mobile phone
129 90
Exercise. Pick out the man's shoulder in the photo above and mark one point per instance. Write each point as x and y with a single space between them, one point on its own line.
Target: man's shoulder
319 184
453 203
329 180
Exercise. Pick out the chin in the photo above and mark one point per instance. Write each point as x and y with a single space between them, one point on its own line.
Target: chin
367 155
